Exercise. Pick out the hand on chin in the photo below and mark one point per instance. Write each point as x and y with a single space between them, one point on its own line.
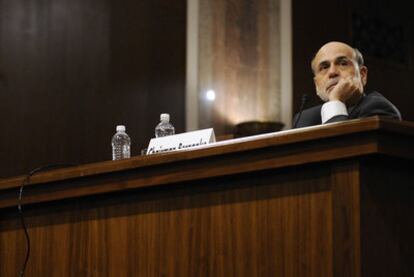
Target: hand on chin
346 94
342 90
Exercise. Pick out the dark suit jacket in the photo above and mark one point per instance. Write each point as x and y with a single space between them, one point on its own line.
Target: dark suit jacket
369 105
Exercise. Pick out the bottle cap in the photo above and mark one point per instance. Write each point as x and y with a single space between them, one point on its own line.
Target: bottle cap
165 117
120 128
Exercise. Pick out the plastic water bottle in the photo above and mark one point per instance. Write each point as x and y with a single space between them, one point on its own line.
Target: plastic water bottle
164 128
121 144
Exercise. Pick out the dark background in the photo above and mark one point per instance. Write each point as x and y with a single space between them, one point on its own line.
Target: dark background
382 30
71 70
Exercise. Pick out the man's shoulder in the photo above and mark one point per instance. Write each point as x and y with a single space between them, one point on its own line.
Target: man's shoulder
376 97
375 103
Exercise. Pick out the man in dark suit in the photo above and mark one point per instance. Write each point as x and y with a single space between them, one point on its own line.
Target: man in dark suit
340 76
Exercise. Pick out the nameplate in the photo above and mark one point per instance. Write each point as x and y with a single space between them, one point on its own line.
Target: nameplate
181 141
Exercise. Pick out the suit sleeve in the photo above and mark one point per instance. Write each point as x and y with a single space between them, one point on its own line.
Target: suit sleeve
337 118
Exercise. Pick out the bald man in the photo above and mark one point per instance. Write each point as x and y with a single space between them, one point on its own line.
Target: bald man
340 76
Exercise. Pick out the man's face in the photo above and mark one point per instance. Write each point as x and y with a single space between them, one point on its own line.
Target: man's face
333 62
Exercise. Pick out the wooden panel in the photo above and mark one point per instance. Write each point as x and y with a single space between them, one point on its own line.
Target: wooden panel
346 186
287 204
276 225
387 229
70 70
290 148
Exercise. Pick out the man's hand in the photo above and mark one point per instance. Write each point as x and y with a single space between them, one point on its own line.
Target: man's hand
347 90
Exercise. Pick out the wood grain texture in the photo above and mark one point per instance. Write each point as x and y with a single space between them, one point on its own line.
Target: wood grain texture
289 148
221 227
70 71
307 202
387 207
346 219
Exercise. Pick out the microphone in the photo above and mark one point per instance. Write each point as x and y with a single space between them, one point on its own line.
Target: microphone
302 105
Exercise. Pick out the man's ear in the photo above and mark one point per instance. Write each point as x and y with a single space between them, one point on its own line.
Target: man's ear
363 71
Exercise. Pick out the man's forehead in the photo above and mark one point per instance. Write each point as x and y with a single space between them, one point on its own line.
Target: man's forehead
331 52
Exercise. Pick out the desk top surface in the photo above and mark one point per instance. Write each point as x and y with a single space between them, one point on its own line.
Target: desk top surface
346 139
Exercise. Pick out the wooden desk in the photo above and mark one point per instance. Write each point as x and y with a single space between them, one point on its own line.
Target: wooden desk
332 200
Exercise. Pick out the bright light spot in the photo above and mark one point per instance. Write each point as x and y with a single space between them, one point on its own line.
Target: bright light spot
211 95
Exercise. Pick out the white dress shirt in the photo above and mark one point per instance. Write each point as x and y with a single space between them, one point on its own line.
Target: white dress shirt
331 109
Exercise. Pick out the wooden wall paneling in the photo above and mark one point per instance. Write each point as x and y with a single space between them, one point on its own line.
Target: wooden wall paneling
386 233
346 187
71 70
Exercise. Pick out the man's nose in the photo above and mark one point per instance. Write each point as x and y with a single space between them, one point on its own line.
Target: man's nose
333 71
